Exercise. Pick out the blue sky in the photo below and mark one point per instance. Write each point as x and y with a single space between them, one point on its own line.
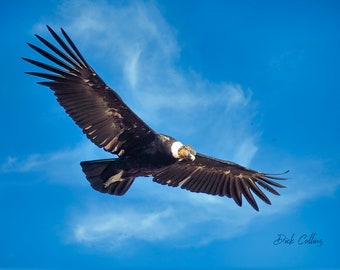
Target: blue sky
255 82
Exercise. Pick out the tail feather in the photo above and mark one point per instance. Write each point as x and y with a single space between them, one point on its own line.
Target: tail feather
105 177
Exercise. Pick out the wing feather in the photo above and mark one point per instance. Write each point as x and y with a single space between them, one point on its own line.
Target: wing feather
219 185
94 107
236 192
218 177
203 180
247 194
166 178
190 181
258 191
224 185
270 182
212 187
267 187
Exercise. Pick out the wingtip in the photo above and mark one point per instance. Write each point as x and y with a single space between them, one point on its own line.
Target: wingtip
253 203
255 207
63 31
237 200
26 59
50 29
274 175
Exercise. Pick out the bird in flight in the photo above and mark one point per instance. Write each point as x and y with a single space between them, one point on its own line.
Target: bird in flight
140 151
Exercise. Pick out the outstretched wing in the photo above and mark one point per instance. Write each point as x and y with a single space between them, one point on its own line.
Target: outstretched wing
218 177
97 110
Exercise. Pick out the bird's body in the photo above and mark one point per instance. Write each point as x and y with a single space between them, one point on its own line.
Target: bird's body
110 124
141 161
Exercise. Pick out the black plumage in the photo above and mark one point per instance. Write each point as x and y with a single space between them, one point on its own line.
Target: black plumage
110 124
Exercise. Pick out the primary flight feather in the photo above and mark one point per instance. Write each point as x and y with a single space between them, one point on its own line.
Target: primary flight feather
110 124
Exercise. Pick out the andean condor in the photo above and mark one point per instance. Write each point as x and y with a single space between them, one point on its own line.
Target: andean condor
110 124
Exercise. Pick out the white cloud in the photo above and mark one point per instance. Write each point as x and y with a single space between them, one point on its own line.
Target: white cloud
179 217
140 53
155 213
54 164
115 227
131 68
140 50
245 152
182 218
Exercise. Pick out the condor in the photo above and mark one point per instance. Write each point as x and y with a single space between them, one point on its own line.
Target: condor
140 151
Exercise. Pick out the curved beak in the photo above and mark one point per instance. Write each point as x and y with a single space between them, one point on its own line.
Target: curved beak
192 157
192 152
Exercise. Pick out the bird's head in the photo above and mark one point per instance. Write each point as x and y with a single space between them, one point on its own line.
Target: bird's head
181 151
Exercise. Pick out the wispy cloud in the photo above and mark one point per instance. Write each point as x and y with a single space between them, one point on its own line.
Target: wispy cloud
125 224
181 218
163 220
139 48
140 52
158 214
54 164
